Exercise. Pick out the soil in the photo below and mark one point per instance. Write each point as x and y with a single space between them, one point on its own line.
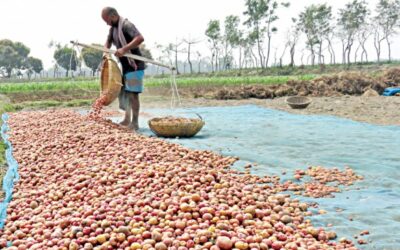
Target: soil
61 96
379 110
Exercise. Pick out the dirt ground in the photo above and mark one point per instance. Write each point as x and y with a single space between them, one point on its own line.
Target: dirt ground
379 110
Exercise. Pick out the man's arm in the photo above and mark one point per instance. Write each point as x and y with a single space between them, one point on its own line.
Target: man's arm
107 45
133 44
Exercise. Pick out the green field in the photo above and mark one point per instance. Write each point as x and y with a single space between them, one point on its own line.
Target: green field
71 84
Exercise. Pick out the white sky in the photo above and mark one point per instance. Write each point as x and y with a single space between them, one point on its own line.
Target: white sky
36 23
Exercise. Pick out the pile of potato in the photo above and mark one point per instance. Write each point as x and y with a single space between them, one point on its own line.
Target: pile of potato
90 184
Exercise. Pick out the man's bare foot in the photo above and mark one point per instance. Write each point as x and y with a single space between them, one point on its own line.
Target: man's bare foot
133 126
125 122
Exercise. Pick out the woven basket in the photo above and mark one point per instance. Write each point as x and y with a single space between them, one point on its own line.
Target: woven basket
298 102
176 127
111 80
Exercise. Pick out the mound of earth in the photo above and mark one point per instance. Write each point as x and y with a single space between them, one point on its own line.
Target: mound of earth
347 83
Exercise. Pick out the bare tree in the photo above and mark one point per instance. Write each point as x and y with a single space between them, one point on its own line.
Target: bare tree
378 39
329 38
351 19
174 48
189 43
342 36
387 18
198 59
292 37
363 36
283 54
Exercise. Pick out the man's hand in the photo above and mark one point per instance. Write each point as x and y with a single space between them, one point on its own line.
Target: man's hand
120 52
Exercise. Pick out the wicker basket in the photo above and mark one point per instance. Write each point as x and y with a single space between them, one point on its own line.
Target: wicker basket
298 102
111 79
176 127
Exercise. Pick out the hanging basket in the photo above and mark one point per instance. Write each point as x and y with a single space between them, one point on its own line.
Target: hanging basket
176 126
111 80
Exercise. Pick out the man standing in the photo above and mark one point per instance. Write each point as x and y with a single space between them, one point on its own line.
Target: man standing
126 38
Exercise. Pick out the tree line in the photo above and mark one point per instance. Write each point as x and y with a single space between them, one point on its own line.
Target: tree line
14 57
247 43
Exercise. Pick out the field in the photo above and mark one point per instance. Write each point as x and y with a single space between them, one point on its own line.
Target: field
210 190
76 92
93 85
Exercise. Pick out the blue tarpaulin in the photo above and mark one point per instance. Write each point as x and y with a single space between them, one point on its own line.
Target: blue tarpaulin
282 142
12 172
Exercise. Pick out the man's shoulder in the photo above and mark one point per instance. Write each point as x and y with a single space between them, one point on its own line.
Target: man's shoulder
127 23
129 28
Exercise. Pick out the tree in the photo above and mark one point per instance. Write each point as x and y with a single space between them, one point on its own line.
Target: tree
92 58
34 65
378 39
387 19
249 42
292 38
261 14
271 18
351 19
363 36
256 14
145 51
314 21
66 58
213 33
13 55
231 36
198 56
329 37
189 43
166 53
8 59
241 44
175 49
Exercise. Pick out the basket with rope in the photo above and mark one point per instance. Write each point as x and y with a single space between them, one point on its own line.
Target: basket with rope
176 126
111 80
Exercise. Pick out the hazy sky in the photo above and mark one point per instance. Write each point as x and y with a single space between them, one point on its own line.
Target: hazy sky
36 23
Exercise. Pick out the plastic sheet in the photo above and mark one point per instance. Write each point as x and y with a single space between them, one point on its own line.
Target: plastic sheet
279 141
12 172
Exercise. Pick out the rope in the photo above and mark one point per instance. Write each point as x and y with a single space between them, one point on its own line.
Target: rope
175 99
70 67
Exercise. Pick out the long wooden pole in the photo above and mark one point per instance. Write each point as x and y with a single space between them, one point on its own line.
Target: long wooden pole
140 58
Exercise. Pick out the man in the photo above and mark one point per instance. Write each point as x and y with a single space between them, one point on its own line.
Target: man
126 38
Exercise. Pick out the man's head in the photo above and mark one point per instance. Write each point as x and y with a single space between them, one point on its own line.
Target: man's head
110 16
